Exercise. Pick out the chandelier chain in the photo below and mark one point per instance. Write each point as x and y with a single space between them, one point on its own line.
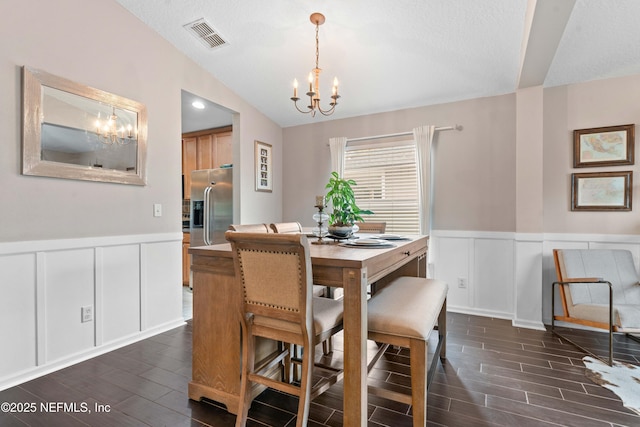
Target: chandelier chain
317 45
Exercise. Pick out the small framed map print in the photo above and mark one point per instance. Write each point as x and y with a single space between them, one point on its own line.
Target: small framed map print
264 172
606 146
601 191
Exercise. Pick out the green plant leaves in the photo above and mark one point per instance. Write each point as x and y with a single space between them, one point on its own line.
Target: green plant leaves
343 201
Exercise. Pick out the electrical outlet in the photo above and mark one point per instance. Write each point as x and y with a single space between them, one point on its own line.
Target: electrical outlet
462 282
157 209
87 313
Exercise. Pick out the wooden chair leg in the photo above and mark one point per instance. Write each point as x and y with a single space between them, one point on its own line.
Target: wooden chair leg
418 360
286 363
248 364
305 388
327 346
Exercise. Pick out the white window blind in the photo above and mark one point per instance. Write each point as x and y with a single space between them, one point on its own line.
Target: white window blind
387 183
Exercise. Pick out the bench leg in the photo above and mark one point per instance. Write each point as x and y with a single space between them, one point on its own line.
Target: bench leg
442 330
418 360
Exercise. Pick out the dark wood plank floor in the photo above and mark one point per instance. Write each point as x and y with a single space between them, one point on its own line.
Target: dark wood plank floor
495 375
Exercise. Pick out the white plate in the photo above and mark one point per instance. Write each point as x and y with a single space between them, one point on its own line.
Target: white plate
367 242
390 237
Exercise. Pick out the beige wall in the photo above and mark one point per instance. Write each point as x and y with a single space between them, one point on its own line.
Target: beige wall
119 54
529 188
475 169
509 169
586 105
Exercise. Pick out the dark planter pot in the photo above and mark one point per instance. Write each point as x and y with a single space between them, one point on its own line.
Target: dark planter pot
341 231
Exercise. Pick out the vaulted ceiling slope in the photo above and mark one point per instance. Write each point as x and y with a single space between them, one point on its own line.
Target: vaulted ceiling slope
391 55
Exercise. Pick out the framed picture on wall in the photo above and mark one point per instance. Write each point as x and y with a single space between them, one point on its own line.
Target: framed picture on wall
606 146
601 191
264 172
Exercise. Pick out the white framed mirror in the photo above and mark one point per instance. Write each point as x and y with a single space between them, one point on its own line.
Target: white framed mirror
75 131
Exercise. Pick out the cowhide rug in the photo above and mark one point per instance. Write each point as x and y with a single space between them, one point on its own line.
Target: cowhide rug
622 378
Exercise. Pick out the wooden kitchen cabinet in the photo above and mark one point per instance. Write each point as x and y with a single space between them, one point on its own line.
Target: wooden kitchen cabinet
188 163
224 149
205 149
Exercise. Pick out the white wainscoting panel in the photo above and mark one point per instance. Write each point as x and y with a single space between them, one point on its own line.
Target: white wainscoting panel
17 315
528 282
120 296
69 285
486 261
493 277
451 258
134 284
163 299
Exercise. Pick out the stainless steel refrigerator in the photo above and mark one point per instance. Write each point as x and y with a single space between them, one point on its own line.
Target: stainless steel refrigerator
211 205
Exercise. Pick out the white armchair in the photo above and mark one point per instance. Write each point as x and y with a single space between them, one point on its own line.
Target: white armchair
598 288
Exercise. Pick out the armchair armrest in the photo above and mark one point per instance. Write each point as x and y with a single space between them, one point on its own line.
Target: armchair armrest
583 280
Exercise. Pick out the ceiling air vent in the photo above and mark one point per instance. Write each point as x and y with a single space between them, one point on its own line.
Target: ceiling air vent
205 33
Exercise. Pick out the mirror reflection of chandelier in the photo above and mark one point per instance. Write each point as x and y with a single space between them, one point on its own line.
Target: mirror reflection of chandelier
314 81
109 133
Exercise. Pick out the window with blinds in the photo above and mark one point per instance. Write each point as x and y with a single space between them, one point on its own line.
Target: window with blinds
387 183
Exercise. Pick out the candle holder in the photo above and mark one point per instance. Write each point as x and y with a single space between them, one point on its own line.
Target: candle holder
321 230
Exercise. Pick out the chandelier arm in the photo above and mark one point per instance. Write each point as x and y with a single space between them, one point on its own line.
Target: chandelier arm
327 112
295 102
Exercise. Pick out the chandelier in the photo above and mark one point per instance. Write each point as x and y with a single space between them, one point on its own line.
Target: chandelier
109 133
314 81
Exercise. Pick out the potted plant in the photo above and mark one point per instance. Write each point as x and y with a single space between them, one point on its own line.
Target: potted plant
344 212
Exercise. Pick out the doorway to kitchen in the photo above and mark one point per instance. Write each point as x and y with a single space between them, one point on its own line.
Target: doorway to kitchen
206 142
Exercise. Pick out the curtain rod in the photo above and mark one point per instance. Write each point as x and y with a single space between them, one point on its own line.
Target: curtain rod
391 135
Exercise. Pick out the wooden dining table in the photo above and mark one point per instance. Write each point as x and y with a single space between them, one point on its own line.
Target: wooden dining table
216 301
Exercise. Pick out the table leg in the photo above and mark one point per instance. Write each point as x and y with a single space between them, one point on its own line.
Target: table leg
355 347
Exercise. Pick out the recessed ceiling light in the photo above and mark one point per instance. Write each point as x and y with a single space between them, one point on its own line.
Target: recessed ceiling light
198 104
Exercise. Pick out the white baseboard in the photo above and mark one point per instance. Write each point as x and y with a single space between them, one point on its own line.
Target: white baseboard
479 312
528 325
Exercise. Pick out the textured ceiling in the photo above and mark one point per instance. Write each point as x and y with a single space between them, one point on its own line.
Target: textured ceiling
390 55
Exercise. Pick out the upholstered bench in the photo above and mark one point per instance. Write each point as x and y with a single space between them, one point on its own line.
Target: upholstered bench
403 314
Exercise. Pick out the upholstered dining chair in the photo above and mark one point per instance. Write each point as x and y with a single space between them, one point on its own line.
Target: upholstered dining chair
599 288
274 272
295 227
372 227
251 228
318 290
286 227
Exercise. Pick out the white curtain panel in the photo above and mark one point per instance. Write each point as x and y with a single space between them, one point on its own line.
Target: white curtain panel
423 137
338 146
